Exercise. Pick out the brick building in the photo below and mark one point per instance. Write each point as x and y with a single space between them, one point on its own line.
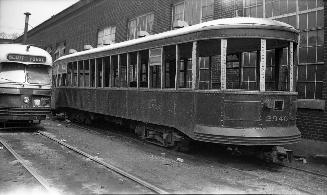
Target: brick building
100 22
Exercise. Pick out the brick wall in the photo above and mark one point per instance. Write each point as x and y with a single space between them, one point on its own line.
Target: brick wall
81 26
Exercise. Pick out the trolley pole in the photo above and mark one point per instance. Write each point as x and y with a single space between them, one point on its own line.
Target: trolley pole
27 14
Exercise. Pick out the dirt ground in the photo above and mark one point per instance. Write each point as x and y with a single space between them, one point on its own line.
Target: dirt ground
175 172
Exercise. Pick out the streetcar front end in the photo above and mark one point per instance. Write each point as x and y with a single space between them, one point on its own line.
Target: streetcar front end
25 83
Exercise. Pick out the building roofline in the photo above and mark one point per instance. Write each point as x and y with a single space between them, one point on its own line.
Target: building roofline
78 5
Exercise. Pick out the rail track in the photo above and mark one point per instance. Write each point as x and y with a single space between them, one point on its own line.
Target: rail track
109 166
180 153
29 168
144 183
140 181
224 165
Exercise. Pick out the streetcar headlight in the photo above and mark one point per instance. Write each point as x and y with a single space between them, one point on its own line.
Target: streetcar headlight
26 100
37 102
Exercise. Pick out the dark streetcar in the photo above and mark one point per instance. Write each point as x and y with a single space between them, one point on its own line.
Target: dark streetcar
227 81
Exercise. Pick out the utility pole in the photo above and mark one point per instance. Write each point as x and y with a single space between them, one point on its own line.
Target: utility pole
27 14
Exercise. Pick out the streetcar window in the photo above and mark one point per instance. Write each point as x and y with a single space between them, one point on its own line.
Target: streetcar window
155 67
106 74
132 70
54 80
114 65
233 71
58 80
277 74
38 74
80 74
74 83
69 74
204 76
185 69
98 76
215 72
169 66
155 78
12 72
209 64
123 70
63 80
144 68
92 73
86 73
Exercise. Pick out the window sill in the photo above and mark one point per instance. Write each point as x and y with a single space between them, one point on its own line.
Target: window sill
311 104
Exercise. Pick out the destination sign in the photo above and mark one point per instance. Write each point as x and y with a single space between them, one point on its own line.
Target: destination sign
26 58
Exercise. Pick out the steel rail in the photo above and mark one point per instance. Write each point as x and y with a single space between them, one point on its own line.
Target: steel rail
227 166
107 165
302 170
29 168
277 164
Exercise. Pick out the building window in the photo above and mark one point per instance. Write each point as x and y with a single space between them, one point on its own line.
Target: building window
140 23
253 8
308 17
106 36
279 7
207 10
193 12
178 12
311 60
60 50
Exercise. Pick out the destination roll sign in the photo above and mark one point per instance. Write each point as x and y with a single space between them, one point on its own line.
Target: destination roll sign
26 58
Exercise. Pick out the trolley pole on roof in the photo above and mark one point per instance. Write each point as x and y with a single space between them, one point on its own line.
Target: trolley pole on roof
27 14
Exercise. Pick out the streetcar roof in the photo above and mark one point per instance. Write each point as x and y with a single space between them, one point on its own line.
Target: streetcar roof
226 23
25 54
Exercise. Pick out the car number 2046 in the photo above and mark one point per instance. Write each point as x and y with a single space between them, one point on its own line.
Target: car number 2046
276 118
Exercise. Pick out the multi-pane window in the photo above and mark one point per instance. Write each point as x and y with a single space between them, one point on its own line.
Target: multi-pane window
106 36
60 50
253 8
310 72
204 78
140 23
207 10
155 67
308 17
249 77
178 11
193 11
279 7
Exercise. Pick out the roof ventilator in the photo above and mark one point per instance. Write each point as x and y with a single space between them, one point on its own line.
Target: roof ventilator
179 24
71 51
142 33
87 47
108 42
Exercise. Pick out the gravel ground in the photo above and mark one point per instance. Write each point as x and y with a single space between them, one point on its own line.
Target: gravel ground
66 172
14 178
179 173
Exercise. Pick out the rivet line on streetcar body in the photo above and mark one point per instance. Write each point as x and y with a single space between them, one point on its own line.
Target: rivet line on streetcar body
30 169
111 167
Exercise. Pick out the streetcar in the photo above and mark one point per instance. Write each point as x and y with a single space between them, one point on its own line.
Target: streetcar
25 84
228 81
